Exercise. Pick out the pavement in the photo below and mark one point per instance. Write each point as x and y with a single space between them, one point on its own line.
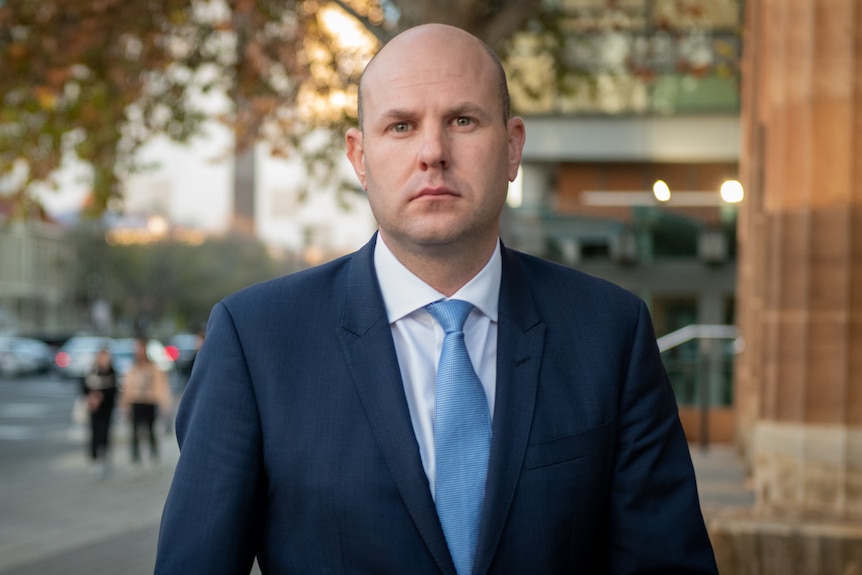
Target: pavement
721 480
56 518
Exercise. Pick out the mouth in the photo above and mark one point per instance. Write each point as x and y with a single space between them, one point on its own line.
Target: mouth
436 192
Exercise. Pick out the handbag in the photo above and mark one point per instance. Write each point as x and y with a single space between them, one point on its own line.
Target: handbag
80 411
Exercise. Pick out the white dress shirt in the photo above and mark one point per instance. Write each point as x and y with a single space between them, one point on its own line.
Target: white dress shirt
419 338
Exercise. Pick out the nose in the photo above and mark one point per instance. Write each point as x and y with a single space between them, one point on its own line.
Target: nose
434 152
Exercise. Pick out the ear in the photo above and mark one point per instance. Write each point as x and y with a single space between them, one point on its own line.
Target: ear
355 153
517 137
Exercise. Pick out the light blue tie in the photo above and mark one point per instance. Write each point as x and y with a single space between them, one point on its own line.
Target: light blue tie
462 437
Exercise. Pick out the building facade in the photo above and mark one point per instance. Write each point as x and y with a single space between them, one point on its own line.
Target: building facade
623 172
37 285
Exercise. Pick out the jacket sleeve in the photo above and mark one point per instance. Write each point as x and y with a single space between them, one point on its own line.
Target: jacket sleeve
656 524
212 509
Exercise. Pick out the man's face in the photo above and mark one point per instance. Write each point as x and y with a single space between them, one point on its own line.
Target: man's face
435 154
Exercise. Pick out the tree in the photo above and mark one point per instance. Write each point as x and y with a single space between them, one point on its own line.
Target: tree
201 275
179 282
98 78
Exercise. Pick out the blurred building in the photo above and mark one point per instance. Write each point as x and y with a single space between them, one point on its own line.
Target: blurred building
192 186
624 165
37 291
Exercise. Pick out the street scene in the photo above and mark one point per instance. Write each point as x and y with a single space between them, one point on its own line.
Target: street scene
55 516
161 163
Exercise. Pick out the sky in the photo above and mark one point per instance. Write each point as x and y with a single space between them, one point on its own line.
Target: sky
192 185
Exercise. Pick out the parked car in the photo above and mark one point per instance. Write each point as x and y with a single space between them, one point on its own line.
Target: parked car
183 347
75 357
21 356
123 353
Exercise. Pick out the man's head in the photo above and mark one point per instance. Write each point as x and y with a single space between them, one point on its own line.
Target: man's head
503 88
437 149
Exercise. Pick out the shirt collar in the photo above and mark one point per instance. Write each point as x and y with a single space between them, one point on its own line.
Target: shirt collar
404 293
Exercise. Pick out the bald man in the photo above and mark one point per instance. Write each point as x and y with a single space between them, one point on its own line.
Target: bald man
307 430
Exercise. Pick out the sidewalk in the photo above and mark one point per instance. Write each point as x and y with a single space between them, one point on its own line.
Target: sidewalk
721 480
59 520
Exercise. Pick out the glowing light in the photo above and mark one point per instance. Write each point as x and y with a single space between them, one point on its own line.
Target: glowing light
172 352
346 30
157 225
63 359
732 192
661 191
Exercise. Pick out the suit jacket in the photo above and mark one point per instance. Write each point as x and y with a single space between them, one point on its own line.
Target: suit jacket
297 446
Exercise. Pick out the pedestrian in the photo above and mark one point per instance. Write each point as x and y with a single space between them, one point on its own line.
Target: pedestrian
435 402
99 388
145 391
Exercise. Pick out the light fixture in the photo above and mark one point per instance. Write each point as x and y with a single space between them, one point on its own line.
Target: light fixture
732 192
661 191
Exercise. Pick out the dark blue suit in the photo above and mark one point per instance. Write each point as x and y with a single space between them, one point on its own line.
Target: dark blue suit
297 445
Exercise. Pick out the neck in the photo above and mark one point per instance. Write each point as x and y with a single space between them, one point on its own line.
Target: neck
445 268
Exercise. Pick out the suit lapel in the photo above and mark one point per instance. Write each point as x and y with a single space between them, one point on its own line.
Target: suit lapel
520 341
366 342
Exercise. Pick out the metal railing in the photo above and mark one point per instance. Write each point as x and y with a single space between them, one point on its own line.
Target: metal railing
699 362
696 331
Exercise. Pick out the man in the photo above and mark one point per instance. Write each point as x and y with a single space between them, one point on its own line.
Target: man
307 430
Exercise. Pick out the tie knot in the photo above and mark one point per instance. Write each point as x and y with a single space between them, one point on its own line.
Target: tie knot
450 314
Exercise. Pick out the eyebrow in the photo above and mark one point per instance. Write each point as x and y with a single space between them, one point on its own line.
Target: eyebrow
464 109
469 109
397 114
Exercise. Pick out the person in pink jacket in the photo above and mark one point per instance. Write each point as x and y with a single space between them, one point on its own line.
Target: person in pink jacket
144 392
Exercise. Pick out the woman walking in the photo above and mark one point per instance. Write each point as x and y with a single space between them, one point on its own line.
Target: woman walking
144 391
99 388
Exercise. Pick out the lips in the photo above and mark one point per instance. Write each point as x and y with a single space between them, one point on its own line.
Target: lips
435 192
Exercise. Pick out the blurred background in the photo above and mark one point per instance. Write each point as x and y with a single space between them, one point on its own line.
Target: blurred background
157 156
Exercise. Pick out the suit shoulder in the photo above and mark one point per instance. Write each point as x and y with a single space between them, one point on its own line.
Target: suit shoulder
546 275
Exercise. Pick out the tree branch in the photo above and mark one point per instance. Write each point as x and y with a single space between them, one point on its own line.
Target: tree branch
379 32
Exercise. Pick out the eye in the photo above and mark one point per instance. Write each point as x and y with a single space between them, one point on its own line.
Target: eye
463 121
400 127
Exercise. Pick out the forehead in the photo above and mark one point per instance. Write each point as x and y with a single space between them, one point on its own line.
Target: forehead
443 69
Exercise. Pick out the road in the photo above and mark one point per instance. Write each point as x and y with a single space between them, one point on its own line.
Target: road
34 418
